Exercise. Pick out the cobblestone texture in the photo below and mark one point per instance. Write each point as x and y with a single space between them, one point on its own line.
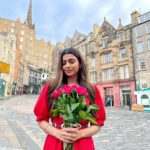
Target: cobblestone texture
123 130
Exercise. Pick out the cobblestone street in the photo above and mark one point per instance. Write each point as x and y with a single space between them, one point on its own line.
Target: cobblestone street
123 130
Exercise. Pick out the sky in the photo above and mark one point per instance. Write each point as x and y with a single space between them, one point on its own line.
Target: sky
56 19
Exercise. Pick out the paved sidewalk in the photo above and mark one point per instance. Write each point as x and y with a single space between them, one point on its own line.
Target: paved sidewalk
123 130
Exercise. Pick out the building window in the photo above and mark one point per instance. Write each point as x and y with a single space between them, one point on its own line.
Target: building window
141 64
91 48
140 47
21 47
123 53
141 18
108 74
93 61
22 32
124 72
105 43
148 44
93 76
147 16
107 58
138 31
148 28
21 39
12 30
144 85
12 24
30 80
121 37
39 81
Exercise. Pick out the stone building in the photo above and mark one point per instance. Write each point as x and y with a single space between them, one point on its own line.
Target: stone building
141 48
92 56
115 77
55 56
29 49
8 50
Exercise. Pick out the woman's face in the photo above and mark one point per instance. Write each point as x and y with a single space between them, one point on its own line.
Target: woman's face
70 65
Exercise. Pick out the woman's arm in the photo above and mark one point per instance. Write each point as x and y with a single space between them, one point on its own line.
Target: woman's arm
47 128
87 132
66 134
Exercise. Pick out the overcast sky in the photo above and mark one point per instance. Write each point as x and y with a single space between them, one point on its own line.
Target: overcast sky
56 19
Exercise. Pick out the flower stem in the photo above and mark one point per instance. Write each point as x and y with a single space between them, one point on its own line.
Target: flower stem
69 146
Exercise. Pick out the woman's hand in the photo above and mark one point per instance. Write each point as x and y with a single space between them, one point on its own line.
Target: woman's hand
78 135
68 135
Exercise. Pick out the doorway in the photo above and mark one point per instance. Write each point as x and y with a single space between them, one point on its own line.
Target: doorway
125 96
109 99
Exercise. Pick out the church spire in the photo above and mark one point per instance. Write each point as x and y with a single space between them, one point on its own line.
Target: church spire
29 15
120 26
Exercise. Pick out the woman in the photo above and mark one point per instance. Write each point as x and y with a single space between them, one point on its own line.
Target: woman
71 71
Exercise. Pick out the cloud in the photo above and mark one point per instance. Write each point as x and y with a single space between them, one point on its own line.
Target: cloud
54 20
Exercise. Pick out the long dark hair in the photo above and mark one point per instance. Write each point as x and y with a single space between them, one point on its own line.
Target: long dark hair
61 78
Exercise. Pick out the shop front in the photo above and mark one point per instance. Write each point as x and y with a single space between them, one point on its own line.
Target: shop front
118 94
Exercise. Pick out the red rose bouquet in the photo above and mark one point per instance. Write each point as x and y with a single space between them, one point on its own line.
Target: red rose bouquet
70 104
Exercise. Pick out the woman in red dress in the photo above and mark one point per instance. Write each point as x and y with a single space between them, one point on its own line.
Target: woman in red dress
71 70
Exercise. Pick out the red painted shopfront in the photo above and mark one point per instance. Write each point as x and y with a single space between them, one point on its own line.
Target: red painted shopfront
118 94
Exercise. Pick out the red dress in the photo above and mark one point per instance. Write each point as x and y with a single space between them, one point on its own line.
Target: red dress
42 113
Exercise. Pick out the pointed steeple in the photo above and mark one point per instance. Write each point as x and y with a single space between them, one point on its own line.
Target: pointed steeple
104 18
29 15
120 26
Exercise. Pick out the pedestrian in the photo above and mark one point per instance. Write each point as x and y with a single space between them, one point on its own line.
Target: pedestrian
71 70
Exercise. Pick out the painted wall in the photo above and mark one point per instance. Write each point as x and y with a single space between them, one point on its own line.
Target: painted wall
116 91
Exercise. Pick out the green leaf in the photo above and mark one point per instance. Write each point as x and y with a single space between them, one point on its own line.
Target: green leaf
82 114
65 117
72 100
54 112
78 119
66 101
70 116
62 111
94 107
87 116
91 119
74 94
74 106
68 110
88 109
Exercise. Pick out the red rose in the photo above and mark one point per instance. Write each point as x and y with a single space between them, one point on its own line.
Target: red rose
67 89
60 91
74 87
82 91
55 95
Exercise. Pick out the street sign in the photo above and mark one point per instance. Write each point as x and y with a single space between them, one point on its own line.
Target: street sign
4 67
